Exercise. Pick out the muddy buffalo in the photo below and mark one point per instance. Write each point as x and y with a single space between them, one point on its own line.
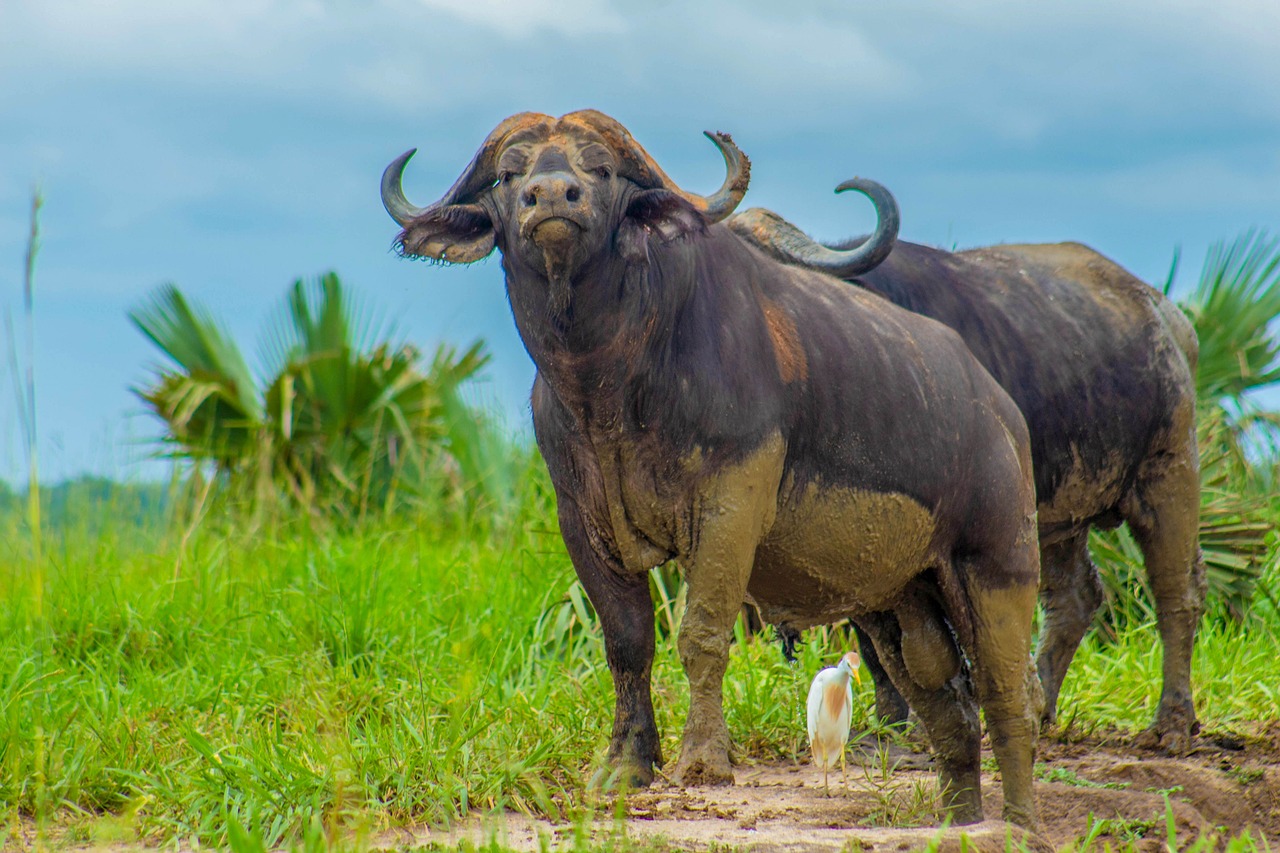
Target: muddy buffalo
772 429
1101 366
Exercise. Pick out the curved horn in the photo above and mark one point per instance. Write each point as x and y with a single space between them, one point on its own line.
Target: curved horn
725 200
638 165
847 263
788 243
478 176
393 193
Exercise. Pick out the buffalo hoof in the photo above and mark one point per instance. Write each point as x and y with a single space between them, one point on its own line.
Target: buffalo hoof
623 776
703 770
1018 817
1169 739
1173 731
965 809
1048 719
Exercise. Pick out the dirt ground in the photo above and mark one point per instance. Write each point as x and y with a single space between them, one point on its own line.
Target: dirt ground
1229 782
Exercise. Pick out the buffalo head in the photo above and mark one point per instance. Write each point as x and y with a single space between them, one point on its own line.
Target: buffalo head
555 194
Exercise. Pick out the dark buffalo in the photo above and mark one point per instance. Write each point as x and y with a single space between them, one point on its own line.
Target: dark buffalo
772 429
1101 366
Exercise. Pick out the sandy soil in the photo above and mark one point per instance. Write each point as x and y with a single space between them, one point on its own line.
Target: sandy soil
1229 781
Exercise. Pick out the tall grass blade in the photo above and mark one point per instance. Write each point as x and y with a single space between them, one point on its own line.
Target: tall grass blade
24 383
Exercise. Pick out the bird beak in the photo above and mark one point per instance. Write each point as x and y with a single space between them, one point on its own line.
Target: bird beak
854 663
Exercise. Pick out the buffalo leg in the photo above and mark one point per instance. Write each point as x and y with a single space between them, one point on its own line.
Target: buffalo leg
716 591
1000 648
625 608
789 638
1164 518
1072 593
891 708
735 509
713 602
948 714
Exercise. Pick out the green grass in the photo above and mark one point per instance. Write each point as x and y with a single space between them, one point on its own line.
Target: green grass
1118 683
247 687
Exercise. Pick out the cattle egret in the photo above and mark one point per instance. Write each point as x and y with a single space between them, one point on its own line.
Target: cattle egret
830 713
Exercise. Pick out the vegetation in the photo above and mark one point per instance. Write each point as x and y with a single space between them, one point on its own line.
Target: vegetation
345 421
88 504
404 671
1233 308
24 386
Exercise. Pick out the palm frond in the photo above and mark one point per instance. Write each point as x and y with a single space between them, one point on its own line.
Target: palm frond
190 336
348 418
1233 307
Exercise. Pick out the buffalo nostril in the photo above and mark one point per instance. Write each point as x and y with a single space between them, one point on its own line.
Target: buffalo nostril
530 199
572 194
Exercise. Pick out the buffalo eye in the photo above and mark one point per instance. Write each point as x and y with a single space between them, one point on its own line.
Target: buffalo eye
604 172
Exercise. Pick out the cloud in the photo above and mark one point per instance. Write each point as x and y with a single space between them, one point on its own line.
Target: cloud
386 52
1198 183
231 145
516 19
185 39
1020 70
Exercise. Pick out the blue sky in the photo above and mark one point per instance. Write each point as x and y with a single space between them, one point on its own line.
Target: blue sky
231 146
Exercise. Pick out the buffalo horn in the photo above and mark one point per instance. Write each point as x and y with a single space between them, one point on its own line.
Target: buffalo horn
478 176
393 193
787 242
725 200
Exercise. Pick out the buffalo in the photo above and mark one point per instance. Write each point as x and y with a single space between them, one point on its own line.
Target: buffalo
1102 367
776 432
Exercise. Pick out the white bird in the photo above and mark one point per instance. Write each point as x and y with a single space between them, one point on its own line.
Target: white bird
830 713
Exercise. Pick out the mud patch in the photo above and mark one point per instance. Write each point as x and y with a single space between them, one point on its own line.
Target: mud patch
1098 786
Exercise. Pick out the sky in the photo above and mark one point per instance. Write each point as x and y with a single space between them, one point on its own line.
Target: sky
233 146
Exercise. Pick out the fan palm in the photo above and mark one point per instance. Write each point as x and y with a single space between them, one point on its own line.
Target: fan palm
345 418
1233 308
211 404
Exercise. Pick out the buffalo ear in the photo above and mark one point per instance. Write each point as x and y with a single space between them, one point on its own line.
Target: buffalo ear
658 215
455 234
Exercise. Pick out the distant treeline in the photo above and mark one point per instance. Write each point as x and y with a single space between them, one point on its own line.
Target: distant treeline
90 500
